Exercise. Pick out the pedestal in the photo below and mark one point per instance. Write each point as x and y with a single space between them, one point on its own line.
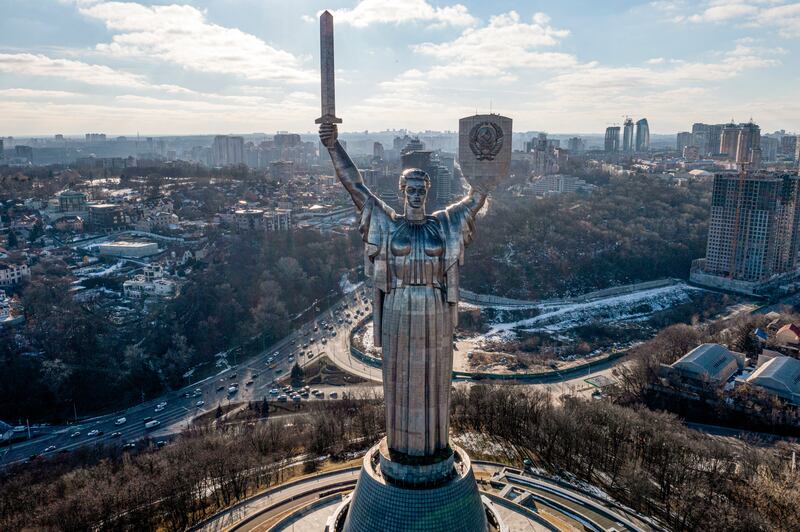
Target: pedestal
402 494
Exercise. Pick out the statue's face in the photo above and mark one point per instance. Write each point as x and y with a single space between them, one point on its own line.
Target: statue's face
415 193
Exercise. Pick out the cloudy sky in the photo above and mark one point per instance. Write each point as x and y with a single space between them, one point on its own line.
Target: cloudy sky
218 66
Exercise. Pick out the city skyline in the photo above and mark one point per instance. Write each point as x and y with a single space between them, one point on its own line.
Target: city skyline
71 66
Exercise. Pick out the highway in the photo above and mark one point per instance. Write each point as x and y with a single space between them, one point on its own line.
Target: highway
254 377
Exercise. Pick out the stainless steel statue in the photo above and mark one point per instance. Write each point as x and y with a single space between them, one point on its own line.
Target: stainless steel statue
413 259
414 479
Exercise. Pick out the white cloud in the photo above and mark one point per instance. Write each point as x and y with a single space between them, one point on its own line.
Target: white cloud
784 17
724 12
180 34
368 12
30 94
42 65
495 50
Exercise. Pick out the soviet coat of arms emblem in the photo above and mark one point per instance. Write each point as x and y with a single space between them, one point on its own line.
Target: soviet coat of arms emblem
485 140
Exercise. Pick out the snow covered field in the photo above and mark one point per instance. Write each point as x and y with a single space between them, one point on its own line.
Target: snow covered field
553 318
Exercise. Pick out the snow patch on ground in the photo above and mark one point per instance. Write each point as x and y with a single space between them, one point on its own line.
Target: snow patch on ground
97 271
625 307
475 441
346 286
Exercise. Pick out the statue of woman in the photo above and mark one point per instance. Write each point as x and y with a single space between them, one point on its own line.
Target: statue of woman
413 259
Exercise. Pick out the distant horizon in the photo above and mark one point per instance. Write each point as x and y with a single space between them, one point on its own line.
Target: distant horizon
174 67
114 136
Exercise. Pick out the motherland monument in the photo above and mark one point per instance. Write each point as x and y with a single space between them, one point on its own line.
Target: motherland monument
415 478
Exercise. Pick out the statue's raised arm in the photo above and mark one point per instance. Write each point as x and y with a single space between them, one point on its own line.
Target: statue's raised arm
476 197
345 169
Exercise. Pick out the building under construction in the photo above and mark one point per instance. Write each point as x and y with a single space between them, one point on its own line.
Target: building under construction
612 139
753 233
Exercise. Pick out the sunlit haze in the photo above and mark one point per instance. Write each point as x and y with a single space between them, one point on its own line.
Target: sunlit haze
242 66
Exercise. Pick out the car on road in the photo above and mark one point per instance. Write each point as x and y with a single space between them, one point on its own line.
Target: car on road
231 390
129 445
148 418
158 408
277 371
160 443
116 434
283 398
152 424
254 376
249 383
93 433
50 448
120 421
200 403
233 376
220 388
274 391
333 395
310 355
75 434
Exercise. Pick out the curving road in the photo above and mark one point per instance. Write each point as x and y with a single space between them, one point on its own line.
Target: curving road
254 377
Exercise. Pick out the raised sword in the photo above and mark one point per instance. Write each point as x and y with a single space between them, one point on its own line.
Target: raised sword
327 70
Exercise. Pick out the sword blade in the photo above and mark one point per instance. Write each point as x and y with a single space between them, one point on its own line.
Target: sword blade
327 70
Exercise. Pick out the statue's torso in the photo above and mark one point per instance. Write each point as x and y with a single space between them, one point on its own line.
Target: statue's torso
417 252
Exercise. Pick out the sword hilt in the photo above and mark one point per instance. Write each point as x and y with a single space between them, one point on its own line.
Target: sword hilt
328 119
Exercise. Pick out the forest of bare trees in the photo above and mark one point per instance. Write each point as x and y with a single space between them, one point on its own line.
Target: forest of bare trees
648 460
633 228
174 487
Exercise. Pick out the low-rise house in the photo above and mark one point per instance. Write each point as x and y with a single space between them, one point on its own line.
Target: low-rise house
69 223
129 249
13 273
789 334
140 287
706 364
780 376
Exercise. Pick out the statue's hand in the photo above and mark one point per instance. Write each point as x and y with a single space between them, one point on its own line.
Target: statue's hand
328 134
483 184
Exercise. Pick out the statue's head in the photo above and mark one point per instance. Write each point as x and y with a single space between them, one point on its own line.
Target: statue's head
414 185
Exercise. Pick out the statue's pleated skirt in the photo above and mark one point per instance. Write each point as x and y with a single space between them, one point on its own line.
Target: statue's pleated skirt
417 339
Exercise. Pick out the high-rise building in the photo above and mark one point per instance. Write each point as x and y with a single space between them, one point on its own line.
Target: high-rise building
612 139
576 145
642 135
753 234
788 146
283 171
741 144
627 135
227 150
707 138
769 149
24 152
95 137
730 140
413 145
685 139
377 151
